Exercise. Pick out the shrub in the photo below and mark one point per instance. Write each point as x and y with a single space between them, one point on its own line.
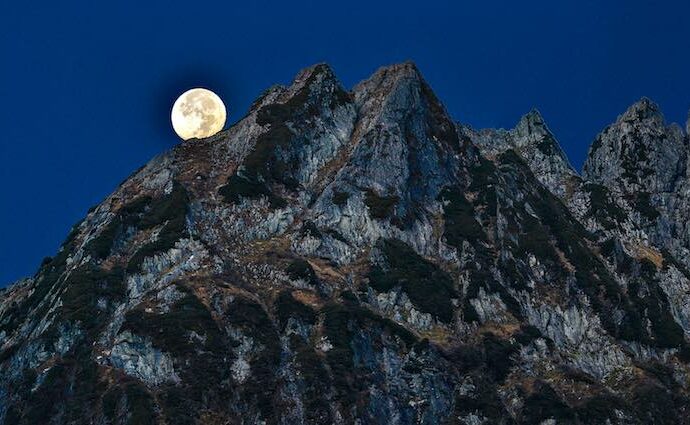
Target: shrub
140 405
287 306
429 288
84 287
535 239
171 210
171 207
602 207
315 380
644 206
498 355
170 331
301 269
547 146
260 388
340 198
654 304
543 404
309 228
110 402
380 207
459 223
339 324
128 215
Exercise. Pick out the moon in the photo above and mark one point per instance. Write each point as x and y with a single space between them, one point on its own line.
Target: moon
198 113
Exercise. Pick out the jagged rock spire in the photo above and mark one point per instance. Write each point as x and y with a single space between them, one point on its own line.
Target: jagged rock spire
532 140
638 152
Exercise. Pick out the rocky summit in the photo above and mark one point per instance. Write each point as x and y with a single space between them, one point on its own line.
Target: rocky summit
358 257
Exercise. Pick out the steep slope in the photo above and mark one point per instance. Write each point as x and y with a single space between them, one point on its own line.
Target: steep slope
350 257
614 204
644 163
536 145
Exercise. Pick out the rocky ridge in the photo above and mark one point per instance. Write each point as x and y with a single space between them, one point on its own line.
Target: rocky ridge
358 257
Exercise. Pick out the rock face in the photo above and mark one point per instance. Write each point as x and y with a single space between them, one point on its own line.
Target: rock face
638 152
536 145
356 256
644 163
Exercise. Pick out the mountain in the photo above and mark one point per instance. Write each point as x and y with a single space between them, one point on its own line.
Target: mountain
358 256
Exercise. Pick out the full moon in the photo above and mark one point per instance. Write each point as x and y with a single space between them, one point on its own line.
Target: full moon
198 113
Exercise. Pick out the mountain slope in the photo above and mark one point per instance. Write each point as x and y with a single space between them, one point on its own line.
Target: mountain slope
358 257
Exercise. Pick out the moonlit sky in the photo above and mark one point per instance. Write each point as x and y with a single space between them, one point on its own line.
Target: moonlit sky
87 87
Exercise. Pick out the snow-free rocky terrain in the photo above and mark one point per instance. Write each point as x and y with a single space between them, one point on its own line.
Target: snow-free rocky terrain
358 257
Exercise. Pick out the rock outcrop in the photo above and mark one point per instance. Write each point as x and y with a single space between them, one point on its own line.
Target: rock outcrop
536 145
358 257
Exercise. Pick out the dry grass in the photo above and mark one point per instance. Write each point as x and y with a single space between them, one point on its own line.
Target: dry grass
308 298
438 335
564 261
503 330
326 271
651 254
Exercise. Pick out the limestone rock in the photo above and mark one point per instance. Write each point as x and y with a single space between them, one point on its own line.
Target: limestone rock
357 256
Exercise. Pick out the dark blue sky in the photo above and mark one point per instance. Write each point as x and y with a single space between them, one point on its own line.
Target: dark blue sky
86 88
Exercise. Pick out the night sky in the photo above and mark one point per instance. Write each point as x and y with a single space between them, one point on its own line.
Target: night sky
86 88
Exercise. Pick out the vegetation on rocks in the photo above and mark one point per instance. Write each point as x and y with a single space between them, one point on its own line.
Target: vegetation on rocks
482 280
429 288
380 207
301 269
171 211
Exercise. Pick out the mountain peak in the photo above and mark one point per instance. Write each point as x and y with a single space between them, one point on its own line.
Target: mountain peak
390 78
639 151
398 95
642 110
407 69
318 76
321 68
532 140
332 247
533 117
531 126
